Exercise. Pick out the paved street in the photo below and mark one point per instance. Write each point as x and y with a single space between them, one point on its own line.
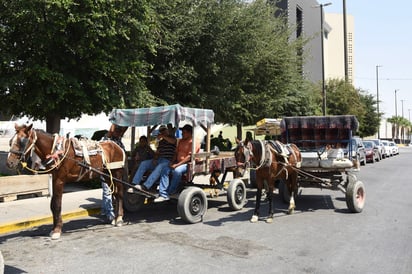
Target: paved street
321 237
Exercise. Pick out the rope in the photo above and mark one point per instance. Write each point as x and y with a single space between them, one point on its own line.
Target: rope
24 164
111 185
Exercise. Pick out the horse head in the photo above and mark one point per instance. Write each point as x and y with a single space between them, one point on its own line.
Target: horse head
20 145
243 155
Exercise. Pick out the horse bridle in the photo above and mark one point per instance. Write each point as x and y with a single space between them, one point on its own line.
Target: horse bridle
24 146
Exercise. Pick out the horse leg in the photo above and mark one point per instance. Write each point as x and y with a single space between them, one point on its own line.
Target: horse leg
292 187
119 201
56 208
255 216
269 194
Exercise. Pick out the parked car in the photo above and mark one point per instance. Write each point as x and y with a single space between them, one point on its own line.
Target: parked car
388 149
371 151
394 146
358 150
381 147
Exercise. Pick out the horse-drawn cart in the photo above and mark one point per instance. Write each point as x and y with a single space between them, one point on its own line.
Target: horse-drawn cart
207 167
325 145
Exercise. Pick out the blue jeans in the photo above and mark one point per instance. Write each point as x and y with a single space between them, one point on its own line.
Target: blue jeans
107 203
155 166
166 188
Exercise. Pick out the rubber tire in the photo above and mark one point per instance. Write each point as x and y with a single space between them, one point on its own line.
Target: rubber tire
192 205
236 194
133 202
355 196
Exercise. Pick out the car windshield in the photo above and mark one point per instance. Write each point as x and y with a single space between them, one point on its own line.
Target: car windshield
385 143
368 144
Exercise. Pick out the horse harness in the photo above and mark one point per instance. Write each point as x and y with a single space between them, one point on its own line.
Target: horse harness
270 147
58 151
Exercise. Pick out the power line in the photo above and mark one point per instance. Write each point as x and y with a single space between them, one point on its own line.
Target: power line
384 79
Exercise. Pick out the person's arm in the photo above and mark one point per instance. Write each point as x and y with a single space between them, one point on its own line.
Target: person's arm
185 160
169 138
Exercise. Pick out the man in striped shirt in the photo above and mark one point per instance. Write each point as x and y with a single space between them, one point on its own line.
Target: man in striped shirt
164 154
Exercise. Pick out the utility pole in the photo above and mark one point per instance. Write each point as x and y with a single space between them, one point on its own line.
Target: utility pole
345 43
377 99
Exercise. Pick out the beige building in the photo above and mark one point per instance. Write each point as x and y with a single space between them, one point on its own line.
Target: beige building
334 47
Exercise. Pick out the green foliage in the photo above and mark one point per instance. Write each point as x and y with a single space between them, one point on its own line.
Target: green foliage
342 98
64 58
369 122
231 56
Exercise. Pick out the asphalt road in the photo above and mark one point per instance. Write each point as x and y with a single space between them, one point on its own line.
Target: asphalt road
321 237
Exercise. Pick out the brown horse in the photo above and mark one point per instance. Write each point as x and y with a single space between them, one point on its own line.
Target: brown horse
273 161
68 162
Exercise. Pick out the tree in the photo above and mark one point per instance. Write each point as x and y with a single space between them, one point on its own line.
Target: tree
400 126
369 122
342 98
231 56
60 59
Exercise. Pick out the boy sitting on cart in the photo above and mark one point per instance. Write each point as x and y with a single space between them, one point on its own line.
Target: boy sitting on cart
164 154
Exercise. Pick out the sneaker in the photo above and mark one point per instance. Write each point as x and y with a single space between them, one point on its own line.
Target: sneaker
138 187
161 199
141 187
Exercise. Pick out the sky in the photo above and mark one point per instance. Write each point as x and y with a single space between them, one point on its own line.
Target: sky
382 37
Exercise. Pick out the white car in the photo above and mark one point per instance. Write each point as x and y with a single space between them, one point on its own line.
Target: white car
388 149
394 147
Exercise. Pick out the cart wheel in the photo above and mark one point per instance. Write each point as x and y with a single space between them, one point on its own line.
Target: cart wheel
236 194
192 205
133 202
284 192
355 196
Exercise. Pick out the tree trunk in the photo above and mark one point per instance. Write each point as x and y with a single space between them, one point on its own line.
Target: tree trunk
53 124
239 131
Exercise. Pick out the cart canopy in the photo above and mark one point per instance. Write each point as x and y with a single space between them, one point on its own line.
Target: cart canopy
313 132
173 114
321 122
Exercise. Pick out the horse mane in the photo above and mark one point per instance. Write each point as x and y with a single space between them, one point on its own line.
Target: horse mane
42 132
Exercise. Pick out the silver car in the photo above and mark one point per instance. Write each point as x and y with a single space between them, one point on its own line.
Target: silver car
388 149
394 146
382 153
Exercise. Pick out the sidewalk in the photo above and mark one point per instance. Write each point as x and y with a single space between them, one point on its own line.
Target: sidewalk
32 212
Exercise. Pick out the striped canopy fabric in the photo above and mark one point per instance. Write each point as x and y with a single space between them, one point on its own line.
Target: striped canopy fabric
313 132
173 114
321 122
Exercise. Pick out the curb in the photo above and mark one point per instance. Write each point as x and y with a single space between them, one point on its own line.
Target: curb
37 221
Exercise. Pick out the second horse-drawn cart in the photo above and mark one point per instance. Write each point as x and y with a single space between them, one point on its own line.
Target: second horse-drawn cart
209 168
328 155
328 159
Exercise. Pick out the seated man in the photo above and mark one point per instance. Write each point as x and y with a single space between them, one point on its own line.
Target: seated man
164 154
178 166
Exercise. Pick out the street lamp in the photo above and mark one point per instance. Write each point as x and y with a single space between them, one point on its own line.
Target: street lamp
396 104
377 98
402 106
322 55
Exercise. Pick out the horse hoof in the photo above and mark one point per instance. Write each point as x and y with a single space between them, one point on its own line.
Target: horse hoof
55 235
119 221
254 219
269 220
291 211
